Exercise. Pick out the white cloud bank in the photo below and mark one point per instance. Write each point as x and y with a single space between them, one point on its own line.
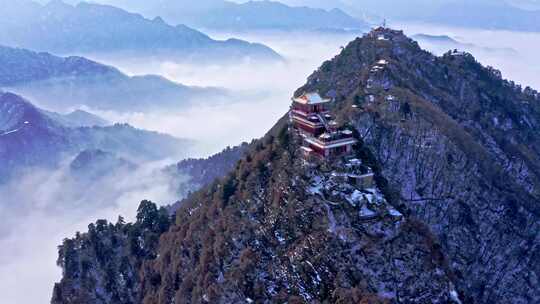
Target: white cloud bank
262 91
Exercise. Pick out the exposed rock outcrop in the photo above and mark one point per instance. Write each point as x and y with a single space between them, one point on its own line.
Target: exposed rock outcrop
461 146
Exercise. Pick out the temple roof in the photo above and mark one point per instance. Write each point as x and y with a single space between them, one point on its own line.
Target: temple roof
311 98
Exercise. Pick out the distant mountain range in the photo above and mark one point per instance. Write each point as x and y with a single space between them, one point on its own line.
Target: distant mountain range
192 174
31 138
92 164
488 14
252 15
70 82
442 43
517 15
77 118
100 29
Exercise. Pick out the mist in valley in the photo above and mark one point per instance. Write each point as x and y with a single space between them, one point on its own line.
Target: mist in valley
42 207
262 91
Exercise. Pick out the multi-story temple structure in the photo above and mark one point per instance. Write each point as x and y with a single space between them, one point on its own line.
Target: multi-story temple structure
310 115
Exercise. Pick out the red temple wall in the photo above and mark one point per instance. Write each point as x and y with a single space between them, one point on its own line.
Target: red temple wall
311 130
311 108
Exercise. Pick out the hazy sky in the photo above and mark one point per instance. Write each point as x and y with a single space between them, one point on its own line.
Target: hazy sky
263 90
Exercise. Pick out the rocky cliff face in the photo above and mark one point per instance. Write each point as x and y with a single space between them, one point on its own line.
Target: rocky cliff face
460 144
452 217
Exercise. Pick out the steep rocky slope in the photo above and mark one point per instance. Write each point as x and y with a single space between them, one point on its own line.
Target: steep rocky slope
461 146
452 218
92 164
278 229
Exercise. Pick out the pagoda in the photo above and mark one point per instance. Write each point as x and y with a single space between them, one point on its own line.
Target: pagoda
310 115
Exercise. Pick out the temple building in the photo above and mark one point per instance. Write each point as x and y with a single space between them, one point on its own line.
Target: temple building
310 115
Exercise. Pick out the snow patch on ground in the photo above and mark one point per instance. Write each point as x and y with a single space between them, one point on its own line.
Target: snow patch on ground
316 186
454 295
394 212
366 212
10 132
331 219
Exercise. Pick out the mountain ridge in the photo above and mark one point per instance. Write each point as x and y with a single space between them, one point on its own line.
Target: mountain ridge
451 217
430 118
78 118
31 138
234 286
93 29
259 15
72 82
